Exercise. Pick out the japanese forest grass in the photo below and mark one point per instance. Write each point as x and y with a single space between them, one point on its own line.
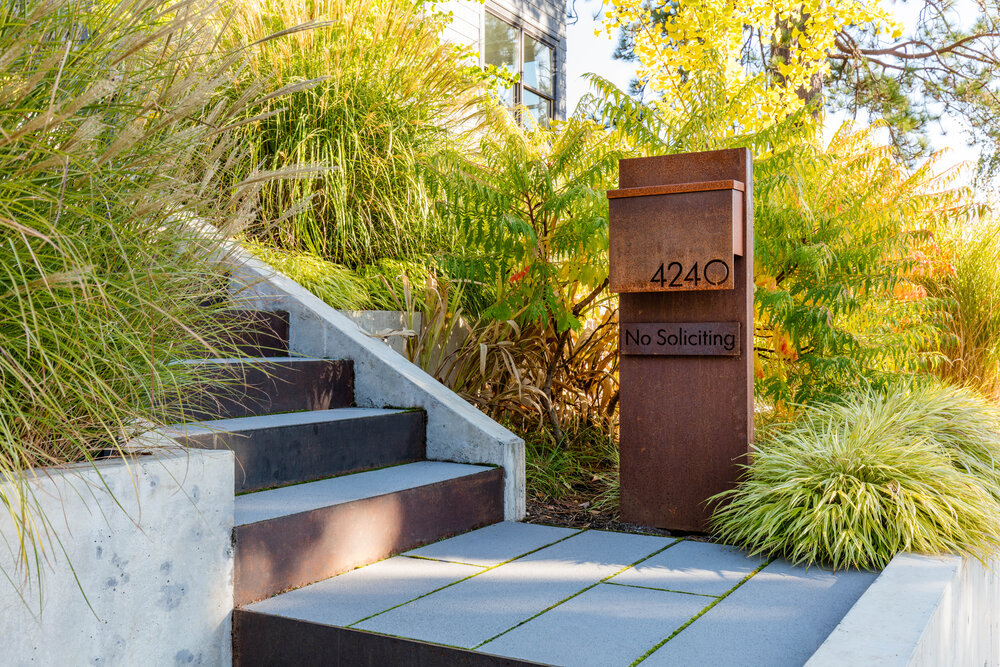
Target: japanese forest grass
373 286
854 482
112 131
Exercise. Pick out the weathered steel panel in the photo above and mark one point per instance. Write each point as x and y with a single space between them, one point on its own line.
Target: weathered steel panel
256 333
687 421
266 640
291 551
288 454
245 388
675 238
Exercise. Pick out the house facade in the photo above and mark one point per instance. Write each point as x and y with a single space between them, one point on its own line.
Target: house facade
528 37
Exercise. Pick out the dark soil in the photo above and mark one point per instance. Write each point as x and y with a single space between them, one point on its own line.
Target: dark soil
574 512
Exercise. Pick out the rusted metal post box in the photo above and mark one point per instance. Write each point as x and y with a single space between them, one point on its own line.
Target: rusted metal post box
681 259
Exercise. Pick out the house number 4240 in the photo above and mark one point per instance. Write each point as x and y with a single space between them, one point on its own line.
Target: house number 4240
714 272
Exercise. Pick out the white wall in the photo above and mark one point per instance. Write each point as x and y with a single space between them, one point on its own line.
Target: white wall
157 571
467 22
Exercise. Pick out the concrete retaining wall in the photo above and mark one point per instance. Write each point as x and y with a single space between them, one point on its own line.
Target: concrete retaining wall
385 325
157 571
456 431
921 612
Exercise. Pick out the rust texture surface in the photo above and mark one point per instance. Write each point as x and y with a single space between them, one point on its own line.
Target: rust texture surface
265 640
291 551
687 421
255 333
675 237
672 188
680 338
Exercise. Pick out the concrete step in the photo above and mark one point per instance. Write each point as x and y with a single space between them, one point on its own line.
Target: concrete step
252 386
295 535
275 450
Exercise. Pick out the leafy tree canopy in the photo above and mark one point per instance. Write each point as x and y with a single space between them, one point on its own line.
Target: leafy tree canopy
775 57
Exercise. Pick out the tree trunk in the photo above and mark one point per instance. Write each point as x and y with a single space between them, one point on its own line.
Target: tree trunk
781 52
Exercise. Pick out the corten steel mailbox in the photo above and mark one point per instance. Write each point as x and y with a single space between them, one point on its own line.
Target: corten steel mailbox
681 258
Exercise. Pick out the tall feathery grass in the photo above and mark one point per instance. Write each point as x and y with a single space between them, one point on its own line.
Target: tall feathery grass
115 130
971 291
390 95
852 483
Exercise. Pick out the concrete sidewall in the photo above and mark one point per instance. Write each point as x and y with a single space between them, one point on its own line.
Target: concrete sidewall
922 611
385 325
150 542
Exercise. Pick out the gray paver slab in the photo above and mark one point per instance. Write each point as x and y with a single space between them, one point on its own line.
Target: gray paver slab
779 617
692 567
354 595
494 544
605 626
265 505
480 608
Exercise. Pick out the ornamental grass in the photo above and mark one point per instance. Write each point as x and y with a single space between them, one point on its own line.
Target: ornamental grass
116 126
854 482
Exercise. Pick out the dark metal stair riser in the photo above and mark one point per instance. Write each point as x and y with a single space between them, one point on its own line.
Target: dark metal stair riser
245 333
274 641
256 333
291 551
269 457
250 389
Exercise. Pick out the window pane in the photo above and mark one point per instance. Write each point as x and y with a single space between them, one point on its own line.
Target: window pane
539 107
501 44
505 95
537 66
501 50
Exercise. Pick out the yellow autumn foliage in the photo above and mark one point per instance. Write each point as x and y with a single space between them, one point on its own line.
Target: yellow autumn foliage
699 56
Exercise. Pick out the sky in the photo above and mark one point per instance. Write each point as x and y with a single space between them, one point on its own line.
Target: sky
590 53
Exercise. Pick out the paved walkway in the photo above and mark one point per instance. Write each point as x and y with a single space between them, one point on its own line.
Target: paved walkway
567 597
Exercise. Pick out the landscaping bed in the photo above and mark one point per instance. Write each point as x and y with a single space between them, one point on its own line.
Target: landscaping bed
574 511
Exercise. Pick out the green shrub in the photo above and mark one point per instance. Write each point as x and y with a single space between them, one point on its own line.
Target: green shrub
852 483
388 279
335 284
531 213
835 230
585 462
388 96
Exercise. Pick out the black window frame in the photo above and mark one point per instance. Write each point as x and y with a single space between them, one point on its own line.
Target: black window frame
522 28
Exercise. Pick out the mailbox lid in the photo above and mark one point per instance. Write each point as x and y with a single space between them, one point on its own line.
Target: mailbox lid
675 238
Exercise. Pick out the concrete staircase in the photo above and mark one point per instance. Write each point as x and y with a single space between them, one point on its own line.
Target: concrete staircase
324 487
340 524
